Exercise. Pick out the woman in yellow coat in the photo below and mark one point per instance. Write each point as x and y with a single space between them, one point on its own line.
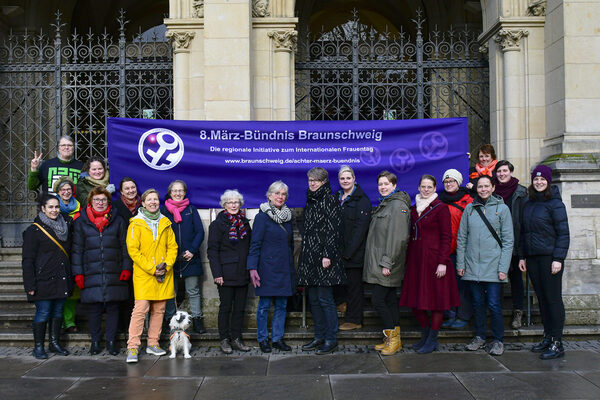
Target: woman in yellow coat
152 247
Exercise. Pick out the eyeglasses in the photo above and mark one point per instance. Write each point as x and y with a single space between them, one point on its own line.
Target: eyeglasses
177 191
231 203
310 180
450 182
103 200
65 145
66 189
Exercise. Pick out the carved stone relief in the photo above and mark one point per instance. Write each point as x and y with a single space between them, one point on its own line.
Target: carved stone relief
537 8
509 39
284 40
260 8
198 9
180 39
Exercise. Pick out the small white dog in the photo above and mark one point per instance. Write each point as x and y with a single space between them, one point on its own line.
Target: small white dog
179 340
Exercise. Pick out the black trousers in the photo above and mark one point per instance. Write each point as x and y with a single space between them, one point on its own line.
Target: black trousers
353 294
230 322
112 320
548 289
515 276
386 304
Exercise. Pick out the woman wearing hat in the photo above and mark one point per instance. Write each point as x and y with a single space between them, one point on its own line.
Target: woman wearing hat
457 198
544 243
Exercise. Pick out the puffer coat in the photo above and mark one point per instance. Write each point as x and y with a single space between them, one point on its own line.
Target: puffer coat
457 202
387 241
46 268
100 258
146 252
478 252
189 234
545 227
356 216
322 238
228 258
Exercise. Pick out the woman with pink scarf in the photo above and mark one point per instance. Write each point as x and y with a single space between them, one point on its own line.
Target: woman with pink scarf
189 234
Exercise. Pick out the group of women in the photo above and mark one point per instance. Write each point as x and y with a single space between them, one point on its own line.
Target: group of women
125 255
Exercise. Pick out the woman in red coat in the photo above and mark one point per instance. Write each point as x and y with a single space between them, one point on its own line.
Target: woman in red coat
429 284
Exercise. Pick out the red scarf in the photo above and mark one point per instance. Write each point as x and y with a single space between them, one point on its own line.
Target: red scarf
98 218
176 207
132 205
237 230
486 170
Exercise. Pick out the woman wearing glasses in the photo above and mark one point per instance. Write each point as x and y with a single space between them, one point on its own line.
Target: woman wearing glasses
101 265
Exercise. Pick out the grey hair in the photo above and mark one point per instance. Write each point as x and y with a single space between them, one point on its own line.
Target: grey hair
231 194
346 168
66 137
276 187
319 174
173 184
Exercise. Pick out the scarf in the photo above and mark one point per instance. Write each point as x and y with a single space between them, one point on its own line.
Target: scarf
176 207
98 182
383 198
486 170
69 207
237 230
58 225
152 219
506 190
278 215
422 203
98 218
450 198
132 205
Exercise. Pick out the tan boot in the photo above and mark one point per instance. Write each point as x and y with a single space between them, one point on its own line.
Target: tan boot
394 343
386 334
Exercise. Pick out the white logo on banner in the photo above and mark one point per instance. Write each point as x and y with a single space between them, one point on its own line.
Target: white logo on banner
168 142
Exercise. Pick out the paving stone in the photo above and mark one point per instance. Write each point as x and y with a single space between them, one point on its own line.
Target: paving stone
32 388
593 377
91 367
441 362
211 366
528 385
17 367
394 387
326 364
132 388
583 360
303 387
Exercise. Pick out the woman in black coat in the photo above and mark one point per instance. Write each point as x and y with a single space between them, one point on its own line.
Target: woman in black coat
47 274
356 216
227 254
544 243
321 265
101 265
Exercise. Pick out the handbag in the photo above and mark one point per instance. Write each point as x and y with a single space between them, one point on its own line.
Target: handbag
52 238
489 226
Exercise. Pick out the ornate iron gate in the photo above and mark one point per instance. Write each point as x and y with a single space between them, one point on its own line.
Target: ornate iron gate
355 72
52 85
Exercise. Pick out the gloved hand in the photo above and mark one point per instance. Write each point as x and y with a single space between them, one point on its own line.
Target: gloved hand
110 188
79 281
125 275
255 278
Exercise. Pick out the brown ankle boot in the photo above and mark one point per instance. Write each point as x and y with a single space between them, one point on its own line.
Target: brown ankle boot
394 343
386 334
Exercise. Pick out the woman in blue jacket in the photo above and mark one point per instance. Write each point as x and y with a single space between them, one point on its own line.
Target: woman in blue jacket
544 244
271 265
189 234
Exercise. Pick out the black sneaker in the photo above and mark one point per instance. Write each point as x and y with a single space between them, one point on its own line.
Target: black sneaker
555 350
542 346
281 346
264 346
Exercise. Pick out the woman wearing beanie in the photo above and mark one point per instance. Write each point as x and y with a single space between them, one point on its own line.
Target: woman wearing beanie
514 196
544 244
457 198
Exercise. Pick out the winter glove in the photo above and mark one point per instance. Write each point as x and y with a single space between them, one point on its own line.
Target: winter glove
79 281
125 275
255 278
110 188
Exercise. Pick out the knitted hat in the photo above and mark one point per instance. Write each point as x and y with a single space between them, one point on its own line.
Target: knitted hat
543 171
454 174
63 180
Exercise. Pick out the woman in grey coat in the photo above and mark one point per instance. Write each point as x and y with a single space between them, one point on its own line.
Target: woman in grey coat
483 258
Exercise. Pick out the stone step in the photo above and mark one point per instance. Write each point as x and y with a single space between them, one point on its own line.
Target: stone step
10 253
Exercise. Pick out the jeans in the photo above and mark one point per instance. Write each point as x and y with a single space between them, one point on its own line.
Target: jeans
385 301
262 315
138 316
112 320
47 309
194 294
324 313
493 290
232 297
548 289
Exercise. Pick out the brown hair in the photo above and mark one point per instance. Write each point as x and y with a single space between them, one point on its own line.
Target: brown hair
126 179
430 177
86 165
390 177
487 149
532 192
99 190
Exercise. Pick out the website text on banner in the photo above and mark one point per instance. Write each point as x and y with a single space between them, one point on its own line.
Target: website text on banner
212 156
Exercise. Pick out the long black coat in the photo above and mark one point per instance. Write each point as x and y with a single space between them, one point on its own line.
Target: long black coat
356 216
46 269
517 203
189 234
321 238
100 258
545 227
228 259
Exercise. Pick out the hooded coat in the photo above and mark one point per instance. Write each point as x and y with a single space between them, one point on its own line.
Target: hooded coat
478 252
356 216
322 238
387 241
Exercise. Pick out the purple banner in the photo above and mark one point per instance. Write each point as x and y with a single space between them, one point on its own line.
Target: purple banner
212 156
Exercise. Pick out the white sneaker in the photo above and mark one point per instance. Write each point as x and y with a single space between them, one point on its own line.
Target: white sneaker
156 350
132 355
497 348
476 344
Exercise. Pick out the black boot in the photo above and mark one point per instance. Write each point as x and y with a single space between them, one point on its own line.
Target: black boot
421 342
39 334
543 345
54 345
431 344
95 348
112 347
555 350
199 325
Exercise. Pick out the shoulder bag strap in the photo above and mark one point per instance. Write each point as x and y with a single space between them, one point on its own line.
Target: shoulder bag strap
489 226
51 238
457 206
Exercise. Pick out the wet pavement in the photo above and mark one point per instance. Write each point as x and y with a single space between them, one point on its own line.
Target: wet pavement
354 372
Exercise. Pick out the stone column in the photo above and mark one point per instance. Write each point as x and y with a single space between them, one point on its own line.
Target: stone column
284 44
181 71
